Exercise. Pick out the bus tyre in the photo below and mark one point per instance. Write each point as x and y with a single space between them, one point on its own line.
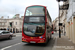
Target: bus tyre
10 37
45 44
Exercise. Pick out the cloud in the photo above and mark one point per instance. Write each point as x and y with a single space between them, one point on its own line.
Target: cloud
12 7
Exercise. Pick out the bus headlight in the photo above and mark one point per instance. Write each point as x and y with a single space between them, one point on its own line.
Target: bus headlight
40 37
22 36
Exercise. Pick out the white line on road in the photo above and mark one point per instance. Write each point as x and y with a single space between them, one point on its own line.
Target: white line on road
55 44
10 46
18 35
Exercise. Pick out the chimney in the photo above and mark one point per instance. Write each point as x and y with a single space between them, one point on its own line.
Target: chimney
2 17
22 17
17 15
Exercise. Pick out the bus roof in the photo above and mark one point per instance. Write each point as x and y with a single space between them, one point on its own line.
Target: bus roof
36 5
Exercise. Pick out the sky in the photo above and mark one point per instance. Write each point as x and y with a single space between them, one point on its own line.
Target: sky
12 7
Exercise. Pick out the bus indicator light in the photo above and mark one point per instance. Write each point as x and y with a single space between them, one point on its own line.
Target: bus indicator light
40 37
31 37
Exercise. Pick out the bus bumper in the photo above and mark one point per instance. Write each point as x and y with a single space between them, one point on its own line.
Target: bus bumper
34 40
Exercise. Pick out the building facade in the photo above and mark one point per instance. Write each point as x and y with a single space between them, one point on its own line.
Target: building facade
13 25
55 25
3 23
68 20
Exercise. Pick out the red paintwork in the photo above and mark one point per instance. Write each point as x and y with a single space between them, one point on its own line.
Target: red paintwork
36 39
52 32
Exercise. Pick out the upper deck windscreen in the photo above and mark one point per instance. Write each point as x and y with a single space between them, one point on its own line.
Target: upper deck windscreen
35 11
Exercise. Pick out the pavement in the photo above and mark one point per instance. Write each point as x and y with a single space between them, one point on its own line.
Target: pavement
63 43
17 34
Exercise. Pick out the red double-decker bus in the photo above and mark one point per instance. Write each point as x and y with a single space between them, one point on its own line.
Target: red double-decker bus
36 25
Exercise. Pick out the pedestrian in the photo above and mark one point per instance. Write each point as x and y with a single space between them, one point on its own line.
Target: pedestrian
13 31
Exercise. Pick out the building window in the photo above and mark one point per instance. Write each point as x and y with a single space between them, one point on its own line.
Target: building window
16 23
0 24
4 20
4 23
20 23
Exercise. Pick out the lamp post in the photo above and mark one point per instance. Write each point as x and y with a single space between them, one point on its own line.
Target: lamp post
59 20
59 16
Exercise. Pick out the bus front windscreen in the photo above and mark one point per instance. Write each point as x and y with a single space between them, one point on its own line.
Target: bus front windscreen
34 29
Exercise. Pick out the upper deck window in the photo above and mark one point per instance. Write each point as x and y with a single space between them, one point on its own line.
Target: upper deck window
35 11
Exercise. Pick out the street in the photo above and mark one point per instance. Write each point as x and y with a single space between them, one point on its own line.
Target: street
28 25
55 43
16 44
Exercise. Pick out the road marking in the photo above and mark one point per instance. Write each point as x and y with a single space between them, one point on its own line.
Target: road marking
55 44
10 46
18 35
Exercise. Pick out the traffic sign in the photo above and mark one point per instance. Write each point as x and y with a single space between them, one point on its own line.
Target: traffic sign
64 7
60 24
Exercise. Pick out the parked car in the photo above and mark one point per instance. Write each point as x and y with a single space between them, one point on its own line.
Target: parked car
52 32
5 34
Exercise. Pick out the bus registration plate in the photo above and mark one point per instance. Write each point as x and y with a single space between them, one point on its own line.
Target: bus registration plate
32 41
